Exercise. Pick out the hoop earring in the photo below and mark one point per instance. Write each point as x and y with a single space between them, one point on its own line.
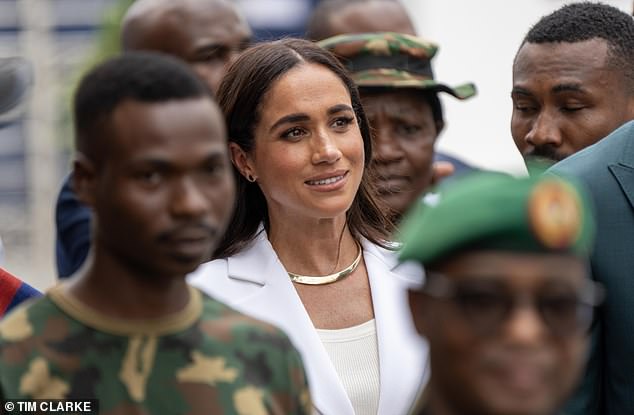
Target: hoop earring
250 178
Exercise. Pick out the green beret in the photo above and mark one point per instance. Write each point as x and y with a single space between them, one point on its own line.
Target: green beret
486 210
391 60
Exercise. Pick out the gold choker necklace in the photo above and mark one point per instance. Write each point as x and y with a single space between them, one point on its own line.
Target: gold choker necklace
328 279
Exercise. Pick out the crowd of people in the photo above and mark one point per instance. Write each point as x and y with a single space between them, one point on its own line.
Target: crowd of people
266 228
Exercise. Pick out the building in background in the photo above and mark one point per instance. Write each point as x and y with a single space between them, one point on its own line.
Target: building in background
57 37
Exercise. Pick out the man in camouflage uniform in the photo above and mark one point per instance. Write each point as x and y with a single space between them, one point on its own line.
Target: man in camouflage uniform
507 303
400 97
128 330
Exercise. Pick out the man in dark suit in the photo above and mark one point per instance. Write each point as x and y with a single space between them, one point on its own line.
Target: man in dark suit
573 80
607 168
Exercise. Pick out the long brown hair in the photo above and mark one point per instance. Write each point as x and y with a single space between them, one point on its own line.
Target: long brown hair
240 95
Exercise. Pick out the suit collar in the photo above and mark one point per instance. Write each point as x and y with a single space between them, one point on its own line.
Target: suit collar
623 171
627 154
402 353
259 251
624 175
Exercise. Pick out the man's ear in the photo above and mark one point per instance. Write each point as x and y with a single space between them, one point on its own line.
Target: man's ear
441 170
242 161
418 306
85 179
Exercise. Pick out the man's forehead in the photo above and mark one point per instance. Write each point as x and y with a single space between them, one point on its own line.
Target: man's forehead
563 66
510 264
221 31
185 20
166 117
372 16
143 8
207 17
554 55
396 101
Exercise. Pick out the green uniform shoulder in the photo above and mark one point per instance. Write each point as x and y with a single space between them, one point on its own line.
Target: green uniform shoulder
28 319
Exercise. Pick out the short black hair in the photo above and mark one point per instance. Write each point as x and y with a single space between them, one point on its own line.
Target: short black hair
318 26
141 76
579 22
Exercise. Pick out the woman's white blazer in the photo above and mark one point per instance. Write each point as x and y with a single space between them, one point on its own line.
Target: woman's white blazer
255 283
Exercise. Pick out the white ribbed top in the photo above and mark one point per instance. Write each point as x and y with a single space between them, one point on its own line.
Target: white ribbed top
355 356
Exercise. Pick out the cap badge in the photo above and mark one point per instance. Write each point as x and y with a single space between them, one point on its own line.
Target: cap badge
555 214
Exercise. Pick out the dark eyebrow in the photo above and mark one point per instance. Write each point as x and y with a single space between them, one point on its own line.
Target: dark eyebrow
165 164
293 118
520 91
567 88
287 119
339 108
152 162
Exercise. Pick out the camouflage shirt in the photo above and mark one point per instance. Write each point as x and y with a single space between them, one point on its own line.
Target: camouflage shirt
206 359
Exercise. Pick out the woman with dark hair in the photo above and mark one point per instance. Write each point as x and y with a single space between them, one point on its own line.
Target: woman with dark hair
307 248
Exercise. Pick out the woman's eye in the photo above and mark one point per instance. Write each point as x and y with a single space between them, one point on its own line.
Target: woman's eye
293 133
342 122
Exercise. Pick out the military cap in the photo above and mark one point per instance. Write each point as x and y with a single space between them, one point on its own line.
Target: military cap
486 210
391 60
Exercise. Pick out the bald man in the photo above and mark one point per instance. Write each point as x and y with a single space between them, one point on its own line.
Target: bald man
338 17
207 34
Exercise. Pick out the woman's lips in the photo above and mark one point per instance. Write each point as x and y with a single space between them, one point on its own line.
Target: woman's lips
329 182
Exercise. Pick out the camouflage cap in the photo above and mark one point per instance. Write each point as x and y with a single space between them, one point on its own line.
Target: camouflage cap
391 60
486 210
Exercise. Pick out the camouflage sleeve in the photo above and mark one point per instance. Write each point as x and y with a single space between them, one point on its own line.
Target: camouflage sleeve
297 383
275 381
24 371
15 350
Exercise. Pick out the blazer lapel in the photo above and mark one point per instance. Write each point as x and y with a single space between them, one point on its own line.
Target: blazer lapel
277 302
624 170
625 176
402 353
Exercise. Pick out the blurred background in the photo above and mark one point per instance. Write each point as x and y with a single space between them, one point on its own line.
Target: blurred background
62 38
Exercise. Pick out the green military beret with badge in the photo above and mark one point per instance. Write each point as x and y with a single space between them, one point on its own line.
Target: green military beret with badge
392 60
494 211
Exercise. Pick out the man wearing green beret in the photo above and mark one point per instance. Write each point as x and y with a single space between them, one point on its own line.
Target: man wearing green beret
400 97
507 303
